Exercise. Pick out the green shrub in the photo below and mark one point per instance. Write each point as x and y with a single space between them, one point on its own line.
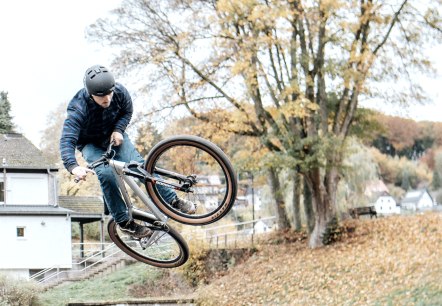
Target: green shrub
91 231
17 292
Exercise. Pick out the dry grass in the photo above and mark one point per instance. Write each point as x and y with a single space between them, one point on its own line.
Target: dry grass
386 261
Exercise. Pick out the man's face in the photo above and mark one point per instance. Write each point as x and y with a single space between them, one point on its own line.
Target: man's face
103 101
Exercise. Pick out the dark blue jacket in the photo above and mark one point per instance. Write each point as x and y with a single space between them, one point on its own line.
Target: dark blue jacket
88 122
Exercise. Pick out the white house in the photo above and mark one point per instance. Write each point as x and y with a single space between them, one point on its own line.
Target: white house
261 227
35 233
417 200
386 204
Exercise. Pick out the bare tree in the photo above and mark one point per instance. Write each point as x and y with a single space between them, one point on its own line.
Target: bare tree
268 69
50 147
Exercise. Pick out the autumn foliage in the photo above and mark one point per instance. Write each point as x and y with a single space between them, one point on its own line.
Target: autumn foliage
385 261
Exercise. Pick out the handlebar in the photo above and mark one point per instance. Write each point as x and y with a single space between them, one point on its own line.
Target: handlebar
109 154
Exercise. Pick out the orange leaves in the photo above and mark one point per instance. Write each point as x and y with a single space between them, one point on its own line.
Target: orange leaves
390 259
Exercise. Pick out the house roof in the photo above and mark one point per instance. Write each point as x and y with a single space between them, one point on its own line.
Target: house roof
375 189
414 196
32 210
82 204
84 209
375 196
17 152
78 205
80 209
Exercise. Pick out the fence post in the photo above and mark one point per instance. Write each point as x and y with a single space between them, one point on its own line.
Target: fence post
253 232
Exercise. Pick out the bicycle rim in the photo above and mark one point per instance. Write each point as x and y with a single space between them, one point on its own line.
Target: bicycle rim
215 190
165 249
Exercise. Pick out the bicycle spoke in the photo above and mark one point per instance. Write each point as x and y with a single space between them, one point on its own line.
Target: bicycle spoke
198 173
209 191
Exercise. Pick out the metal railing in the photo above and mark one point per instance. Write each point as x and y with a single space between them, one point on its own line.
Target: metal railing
228 235
241 234
86 249
110 250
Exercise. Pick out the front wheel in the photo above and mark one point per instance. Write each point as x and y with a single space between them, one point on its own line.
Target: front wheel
178 160
166 248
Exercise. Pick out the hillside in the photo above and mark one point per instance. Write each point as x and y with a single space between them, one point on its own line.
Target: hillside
386 261
395 260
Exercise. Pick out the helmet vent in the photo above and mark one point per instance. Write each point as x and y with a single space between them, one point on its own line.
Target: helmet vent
99 81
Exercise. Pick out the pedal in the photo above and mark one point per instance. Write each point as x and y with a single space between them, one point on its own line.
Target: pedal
160 225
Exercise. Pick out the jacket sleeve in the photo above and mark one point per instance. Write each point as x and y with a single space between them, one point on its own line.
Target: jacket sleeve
69 137
126 111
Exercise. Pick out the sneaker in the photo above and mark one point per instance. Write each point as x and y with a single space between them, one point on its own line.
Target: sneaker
184 206
135 230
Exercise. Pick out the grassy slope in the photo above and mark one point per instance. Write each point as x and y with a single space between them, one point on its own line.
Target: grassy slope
388 261
112 287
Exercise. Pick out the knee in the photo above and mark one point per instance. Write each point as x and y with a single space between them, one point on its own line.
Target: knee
104 174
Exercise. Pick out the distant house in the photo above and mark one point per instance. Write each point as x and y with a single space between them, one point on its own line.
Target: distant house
35 233
386 204
261 227
417 200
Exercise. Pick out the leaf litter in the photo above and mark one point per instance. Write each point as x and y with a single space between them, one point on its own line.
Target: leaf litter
391 260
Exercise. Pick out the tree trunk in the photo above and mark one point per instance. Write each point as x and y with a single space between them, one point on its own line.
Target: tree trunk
324 195
281 213
308 208
297 190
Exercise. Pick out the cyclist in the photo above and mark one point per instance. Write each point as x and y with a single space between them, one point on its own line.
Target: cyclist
97 114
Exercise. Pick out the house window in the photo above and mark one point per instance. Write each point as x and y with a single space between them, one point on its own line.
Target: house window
20 231
35 185
2 192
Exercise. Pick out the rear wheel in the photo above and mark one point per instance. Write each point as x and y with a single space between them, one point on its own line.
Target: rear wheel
166 248
214 185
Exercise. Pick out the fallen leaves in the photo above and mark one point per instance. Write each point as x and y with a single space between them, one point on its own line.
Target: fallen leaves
381 260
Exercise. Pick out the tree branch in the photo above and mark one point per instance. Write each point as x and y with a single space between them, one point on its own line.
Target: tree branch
390 28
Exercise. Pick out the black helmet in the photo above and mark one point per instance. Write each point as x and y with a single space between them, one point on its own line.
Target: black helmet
99 81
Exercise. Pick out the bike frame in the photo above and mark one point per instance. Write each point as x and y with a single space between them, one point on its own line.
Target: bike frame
123 173
119 169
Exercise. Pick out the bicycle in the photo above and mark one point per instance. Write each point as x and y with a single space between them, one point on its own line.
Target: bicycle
187 164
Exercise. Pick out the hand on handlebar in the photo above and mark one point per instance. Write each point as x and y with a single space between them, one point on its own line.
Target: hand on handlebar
117 138
81 173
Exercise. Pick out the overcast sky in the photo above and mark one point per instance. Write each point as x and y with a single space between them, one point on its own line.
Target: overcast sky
44 53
